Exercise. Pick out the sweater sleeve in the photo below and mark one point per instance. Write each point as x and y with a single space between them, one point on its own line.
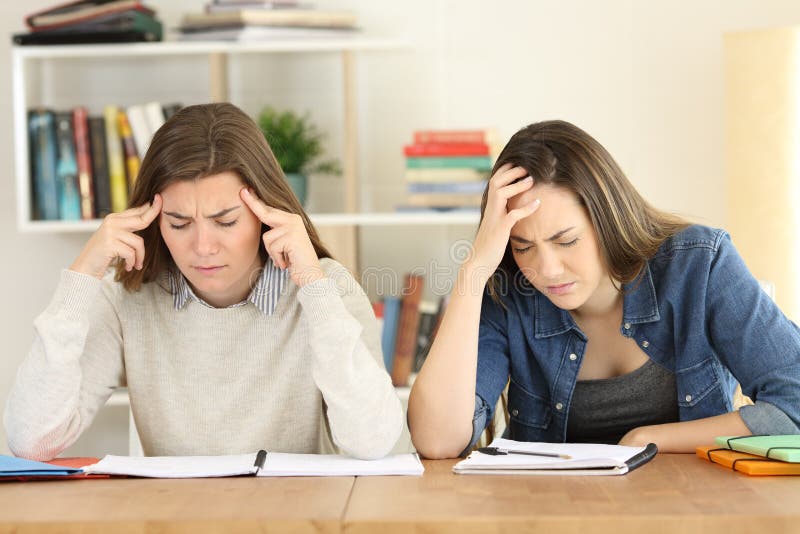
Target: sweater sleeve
72 368
364 413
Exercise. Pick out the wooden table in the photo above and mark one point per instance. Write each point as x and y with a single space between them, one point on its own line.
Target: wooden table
673 493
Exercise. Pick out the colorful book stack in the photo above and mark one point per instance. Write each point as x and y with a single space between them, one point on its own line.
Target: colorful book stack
756 455
92 21
236 20
84 167
447 169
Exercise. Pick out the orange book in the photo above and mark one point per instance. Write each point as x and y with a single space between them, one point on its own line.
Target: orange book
407 327
749 464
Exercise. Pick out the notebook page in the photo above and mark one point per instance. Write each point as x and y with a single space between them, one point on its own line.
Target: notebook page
280 464
175 466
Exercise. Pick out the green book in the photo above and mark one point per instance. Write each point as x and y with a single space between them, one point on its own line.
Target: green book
785 448
481 163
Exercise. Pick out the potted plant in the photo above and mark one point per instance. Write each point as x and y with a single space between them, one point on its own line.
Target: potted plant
297 145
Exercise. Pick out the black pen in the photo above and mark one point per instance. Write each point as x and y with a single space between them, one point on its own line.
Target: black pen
260 459
496 451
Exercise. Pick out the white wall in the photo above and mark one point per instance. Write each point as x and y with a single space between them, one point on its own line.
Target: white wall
645 78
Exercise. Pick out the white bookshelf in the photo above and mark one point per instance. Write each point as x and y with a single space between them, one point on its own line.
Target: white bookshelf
338 230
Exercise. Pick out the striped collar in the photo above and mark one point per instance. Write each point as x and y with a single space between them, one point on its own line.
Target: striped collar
264 296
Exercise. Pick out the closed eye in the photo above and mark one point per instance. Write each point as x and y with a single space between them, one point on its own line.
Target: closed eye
227 224
521 250
178 226
569 244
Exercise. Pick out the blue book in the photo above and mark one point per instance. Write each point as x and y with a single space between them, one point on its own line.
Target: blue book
467 188
43 156
11 466
69 194
391 316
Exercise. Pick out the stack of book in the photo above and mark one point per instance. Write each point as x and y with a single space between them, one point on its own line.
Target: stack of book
236 20
447 169
92 21
755 455
84 167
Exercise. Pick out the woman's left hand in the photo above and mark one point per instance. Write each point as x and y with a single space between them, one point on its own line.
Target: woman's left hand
286 241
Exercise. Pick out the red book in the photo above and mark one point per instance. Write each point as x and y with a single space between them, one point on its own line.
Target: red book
81 11
452 136
447 149
80 124
407 327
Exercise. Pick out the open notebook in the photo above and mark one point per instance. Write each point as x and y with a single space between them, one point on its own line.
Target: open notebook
561 459
273 464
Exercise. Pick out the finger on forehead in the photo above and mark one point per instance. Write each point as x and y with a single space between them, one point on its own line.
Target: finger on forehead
264 212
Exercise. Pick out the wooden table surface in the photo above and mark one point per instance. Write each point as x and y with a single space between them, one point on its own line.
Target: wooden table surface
673 493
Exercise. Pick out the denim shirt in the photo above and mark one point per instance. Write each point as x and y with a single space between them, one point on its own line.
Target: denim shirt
695 310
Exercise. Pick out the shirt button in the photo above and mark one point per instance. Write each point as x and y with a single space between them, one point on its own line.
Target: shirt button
627 326
559 406
688 398
514 412
573 357
645 343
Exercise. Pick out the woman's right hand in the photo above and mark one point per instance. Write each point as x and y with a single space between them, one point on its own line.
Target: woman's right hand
492 238
116 239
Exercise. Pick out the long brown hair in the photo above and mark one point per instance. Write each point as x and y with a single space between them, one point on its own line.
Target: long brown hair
629 229
199 141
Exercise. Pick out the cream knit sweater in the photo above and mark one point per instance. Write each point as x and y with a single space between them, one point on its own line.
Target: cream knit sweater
204 381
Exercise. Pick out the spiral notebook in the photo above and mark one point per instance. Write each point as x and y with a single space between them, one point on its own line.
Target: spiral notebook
507 457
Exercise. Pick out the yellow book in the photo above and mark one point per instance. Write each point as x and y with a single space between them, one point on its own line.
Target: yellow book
128 148
116 164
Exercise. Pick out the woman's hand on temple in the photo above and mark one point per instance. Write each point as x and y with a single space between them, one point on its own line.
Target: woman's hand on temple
116 239
286 241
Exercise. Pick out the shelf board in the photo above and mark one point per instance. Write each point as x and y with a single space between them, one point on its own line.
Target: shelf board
354 43
319 219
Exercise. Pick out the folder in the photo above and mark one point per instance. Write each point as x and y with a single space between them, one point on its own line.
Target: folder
749 464
20 469
507 457
785 448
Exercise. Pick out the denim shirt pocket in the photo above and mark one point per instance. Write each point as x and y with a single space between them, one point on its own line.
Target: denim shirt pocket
695 383
527 409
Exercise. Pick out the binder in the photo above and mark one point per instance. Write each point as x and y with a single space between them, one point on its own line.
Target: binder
749 464
785 448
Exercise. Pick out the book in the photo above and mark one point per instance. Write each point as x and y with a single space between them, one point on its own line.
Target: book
154 114
428 312
785 448
99 160
470 188
487 136
216 7
749 464
81 11
128 149
83 157
272 17
140 128
391 316
249 33
446 149
555 459
481 163
43 162
443 199
259 463
118 21
69 196
407 328
21 470
446 175
116 162
65 38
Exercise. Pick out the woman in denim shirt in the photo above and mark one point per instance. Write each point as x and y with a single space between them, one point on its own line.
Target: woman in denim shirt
609 320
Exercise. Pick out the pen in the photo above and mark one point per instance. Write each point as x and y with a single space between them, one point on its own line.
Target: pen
495 451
